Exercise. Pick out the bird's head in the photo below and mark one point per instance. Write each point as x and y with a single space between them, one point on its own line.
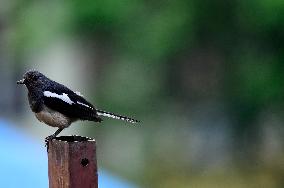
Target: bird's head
32 78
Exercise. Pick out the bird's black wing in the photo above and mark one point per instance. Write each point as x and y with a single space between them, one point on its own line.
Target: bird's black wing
59 98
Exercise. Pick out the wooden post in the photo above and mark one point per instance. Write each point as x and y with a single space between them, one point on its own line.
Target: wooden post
72 162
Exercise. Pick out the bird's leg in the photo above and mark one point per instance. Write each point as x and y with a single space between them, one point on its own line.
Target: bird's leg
47 139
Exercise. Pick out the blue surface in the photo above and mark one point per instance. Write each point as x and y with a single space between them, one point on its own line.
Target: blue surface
23 162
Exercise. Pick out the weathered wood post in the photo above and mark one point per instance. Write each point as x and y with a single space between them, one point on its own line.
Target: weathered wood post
72 162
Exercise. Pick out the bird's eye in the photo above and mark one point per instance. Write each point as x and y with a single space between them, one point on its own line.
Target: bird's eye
35 77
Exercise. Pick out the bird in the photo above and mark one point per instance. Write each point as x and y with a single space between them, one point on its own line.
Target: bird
58 106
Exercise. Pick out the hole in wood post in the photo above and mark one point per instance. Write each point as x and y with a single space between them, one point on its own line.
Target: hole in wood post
84 162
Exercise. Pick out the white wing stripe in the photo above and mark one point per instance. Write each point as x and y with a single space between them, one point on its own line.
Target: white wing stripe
84 105
64 97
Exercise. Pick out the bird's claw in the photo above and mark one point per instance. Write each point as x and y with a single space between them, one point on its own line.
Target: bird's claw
47 139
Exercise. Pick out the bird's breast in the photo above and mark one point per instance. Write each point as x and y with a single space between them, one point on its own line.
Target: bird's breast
53 118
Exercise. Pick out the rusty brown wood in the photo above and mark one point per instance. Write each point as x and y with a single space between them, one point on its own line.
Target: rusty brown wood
72 162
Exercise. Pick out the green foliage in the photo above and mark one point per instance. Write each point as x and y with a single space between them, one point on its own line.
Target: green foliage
37 23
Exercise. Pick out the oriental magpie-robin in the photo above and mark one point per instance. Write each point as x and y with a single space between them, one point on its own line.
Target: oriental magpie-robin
56 105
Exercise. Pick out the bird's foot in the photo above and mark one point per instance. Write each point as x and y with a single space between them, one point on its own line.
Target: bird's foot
47 139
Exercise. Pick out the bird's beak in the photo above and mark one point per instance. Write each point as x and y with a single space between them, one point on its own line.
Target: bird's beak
22 81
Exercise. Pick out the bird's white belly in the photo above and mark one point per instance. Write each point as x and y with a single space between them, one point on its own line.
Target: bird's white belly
53 118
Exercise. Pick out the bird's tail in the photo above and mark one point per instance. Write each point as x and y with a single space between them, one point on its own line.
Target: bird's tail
115 116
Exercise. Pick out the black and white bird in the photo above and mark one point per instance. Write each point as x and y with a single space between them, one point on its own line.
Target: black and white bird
56 105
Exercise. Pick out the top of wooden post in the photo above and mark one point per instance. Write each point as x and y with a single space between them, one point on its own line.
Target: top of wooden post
72 162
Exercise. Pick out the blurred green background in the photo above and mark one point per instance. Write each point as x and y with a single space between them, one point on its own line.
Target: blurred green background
206 78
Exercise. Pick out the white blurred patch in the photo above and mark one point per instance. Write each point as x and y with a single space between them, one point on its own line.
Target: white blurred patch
78 93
